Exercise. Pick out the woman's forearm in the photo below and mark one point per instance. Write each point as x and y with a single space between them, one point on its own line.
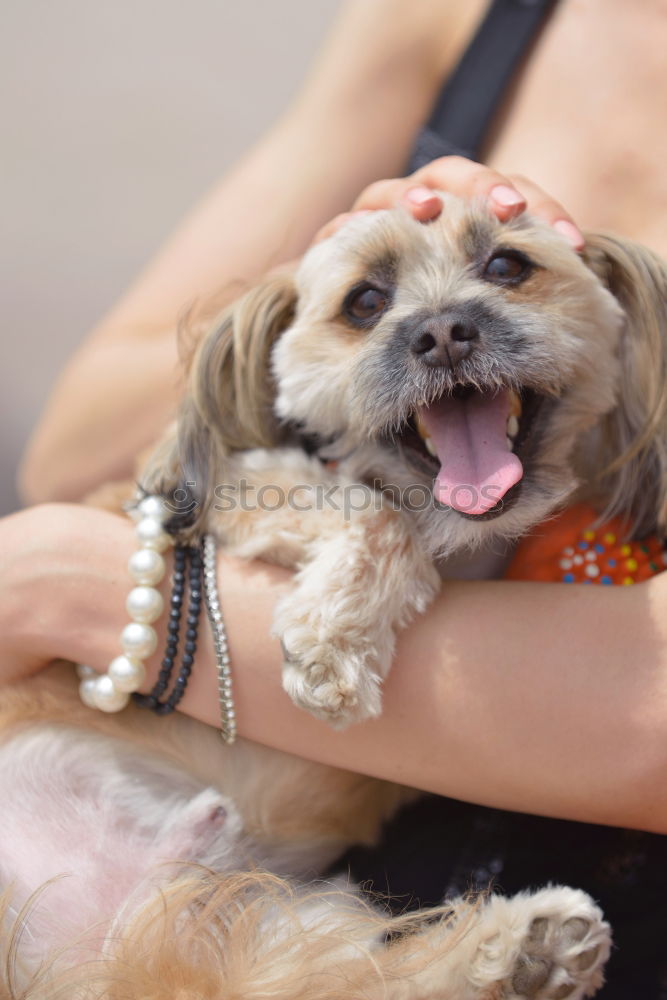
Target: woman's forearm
344 130
540 698
537 698
119 390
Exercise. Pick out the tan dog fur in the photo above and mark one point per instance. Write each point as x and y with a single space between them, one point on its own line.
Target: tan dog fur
227 836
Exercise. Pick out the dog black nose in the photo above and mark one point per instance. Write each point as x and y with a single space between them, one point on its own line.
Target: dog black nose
444 341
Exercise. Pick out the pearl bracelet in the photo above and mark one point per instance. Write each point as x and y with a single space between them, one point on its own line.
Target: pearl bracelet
110 692
152 700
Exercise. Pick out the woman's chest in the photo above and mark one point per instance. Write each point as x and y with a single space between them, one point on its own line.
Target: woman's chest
587 117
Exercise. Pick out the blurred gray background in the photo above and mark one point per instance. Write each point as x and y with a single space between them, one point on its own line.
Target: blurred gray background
116 118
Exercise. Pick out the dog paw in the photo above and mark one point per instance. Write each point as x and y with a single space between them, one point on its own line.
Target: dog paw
333 661
338 686
561 960
560 948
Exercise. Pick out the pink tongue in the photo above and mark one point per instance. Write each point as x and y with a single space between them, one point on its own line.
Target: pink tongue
470 437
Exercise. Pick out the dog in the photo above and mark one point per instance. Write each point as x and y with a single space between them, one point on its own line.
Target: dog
140 858
191 865
458 383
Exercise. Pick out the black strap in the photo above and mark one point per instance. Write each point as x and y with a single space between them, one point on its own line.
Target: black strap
471 95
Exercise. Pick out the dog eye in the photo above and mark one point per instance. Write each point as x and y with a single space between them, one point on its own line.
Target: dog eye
364 303
507 268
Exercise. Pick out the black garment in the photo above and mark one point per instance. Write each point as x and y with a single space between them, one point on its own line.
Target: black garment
440 847
463 112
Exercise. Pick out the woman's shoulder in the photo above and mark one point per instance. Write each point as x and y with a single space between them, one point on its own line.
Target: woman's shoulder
427 37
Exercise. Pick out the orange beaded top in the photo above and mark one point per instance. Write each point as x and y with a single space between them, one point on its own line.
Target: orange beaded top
571 549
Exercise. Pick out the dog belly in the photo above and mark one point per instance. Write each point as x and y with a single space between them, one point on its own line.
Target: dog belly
88 825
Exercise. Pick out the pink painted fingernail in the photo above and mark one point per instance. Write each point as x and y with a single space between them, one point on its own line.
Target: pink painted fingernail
570 232
506 196
420 195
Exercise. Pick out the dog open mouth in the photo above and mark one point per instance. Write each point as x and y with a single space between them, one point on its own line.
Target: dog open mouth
472 441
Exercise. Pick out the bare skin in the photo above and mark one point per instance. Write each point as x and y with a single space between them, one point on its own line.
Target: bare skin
466 713
524 714
585 118
590 135
122 385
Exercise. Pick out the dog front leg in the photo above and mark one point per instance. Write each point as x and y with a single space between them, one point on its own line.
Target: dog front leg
337 626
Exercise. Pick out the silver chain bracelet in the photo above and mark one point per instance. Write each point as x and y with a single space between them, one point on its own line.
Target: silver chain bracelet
212 601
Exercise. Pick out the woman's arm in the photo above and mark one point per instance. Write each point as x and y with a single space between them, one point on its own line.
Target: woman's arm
575 730
474 709
354 121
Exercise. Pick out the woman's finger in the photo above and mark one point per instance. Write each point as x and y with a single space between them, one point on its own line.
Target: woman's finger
468 179
453 174
543 205
420 199
506 195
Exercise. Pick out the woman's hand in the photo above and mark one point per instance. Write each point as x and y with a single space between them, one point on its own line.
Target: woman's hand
506 196
62 587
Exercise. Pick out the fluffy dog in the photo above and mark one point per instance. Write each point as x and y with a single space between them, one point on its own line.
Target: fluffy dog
466 378
142 860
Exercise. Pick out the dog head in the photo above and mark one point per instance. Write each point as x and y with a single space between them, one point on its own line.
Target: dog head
485 362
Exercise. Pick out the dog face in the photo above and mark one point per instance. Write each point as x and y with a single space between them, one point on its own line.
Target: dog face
475 352
485 362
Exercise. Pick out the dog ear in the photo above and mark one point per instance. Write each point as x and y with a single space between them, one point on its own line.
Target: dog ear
230 382
228 406
632 453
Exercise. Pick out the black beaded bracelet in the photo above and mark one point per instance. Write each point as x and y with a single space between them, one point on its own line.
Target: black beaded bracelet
152 700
